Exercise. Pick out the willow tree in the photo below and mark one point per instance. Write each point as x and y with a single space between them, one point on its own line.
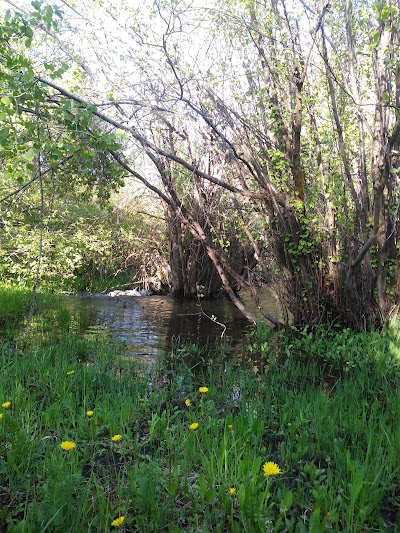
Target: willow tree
292 110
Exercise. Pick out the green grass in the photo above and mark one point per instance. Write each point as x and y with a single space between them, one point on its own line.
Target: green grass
323 406
17 307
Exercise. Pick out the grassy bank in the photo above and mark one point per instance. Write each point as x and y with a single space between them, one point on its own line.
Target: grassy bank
151 452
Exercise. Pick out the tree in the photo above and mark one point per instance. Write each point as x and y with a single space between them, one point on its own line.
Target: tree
300 127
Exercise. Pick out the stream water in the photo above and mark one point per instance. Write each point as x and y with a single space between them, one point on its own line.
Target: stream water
147 325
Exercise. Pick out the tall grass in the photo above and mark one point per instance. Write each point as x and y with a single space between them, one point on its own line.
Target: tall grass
323 406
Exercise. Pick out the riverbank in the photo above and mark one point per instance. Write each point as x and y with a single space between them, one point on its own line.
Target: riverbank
299 432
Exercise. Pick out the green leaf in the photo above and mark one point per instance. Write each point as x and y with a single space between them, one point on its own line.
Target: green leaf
241 495
210 495
28 75
28 32
286 502
4 133
203 485
29 155
385 13
6 101
376 37
315 521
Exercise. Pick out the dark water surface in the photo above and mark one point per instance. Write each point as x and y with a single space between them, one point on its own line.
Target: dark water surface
148 324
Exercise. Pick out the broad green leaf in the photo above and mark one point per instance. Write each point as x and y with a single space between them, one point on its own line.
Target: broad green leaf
241 495
375 37
203 485
6 100
4 133
29 155
286 502
210 495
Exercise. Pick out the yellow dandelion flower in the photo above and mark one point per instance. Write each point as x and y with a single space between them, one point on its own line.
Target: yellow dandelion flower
68 445
271 469
116 438
194 426
1 416
70 372
232 491
89 413
188 403
203 390
6 405
118 521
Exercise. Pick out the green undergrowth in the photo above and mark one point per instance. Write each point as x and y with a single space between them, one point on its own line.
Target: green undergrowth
18 306
323 406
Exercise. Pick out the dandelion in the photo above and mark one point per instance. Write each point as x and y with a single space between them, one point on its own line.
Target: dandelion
118 521
232 491
203 390
70 372
271 469
188 403
116 438
194 426
89 413
6 405
68 445
1 416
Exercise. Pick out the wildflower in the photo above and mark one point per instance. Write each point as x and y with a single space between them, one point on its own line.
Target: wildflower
194 426
188 403
70 372
68 445
116 438
271 469
1 416
89 413
6 405
118 521
232 491
203 390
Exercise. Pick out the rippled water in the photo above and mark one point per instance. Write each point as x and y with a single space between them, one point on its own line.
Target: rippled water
147 325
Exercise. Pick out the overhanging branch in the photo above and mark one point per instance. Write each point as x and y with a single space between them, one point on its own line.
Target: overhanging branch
146 143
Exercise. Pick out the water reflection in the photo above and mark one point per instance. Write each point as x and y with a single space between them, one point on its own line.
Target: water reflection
147 325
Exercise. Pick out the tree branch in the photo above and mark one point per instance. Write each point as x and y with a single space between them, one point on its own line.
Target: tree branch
145 142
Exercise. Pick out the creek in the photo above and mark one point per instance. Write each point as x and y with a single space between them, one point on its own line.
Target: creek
147 326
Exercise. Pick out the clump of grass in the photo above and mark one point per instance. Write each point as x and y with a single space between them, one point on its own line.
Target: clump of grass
20 307
302 435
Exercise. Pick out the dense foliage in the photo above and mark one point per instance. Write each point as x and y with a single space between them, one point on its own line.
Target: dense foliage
270 131
87 437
